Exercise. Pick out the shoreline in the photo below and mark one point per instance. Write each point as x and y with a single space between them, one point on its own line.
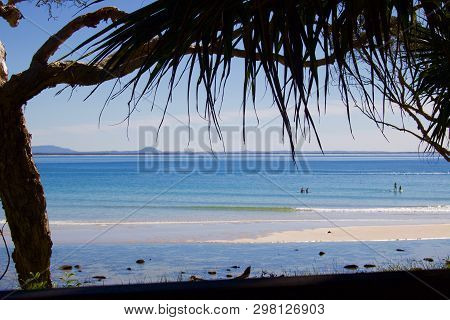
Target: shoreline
246 234
353 234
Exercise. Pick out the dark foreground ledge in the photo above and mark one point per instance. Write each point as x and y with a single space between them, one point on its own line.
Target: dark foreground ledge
430 284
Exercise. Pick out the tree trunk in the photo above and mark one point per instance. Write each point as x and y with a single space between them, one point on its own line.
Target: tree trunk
23 198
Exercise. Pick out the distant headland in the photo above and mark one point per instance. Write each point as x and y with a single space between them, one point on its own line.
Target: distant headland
56 150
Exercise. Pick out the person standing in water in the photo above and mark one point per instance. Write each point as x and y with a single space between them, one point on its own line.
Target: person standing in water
395 186
400 189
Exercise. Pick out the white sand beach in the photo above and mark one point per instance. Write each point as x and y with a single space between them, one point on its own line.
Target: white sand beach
354 233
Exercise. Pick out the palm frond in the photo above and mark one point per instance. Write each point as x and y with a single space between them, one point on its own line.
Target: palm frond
432 82
288 42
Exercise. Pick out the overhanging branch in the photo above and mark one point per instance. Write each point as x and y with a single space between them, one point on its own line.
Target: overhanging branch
89 20
42 75
10 13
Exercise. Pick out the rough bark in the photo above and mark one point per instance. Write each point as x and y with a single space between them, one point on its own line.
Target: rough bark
21 191
22 196
3 68
10 13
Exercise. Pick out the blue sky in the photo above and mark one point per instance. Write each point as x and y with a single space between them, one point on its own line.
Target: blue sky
69 121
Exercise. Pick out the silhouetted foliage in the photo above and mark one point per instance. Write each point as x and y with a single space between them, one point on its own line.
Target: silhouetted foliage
392 52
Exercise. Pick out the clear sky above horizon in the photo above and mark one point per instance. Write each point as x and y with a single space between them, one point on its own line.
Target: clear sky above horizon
67 120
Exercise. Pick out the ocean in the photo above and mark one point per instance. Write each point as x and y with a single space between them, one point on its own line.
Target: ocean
236 187
180 204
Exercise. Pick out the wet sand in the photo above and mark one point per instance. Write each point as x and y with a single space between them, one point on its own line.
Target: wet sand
249 232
